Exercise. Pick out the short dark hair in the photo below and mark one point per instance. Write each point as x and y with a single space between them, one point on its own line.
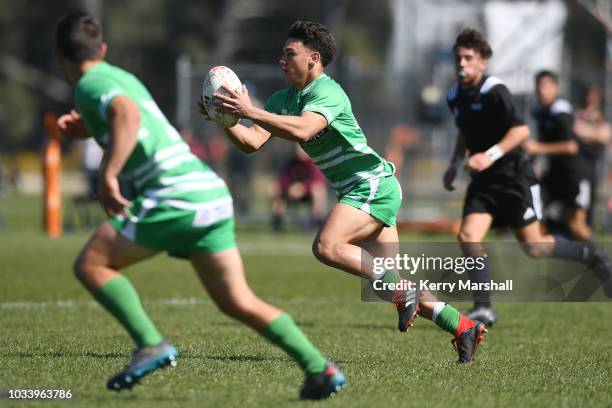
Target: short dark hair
474 40
547 74
79 36
316 37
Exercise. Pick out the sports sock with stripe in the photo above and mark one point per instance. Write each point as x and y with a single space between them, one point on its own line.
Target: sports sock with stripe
446 317
389 276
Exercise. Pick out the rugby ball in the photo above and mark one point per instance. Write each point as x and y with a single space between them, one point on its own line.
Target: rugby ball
213 80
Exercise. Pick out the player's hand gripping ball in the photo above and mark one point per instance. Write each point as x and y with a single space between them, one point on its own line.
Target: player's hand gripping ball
213 80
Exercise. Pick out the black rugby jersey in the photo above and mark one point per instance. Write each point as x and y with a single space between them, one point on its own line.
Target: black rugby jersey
555 124
484 114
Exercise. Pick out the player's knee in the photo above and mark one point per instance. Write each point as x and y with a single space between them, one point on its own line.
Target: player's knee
535 250
238 308
324 251
470 244
79 267
466 236
84 266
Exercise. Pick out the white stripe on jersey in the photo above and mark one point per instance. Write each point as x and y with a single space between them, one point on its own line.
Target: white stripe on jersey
165 165
193 176
489 83
158 158
327 155
185 188
329 117
339 160
187 205
105 100
561 106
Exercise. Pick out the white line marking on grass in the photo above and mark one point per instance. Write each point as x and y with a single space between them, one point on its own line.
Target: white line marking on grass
90 303
191 301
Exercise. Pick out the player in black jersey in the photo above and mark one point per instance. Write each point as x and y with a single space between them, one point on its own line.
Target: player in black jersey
503 190
566 183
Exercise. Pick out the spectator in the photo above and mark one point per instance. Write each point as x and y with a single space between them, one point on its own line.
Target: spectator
593 132
300 181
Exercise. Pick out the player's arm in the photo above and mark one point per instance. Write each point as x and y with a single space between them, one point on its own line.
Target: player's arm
506 112
123 121
248 139
456 161
566 146
71 125
294 128
563 148
512 139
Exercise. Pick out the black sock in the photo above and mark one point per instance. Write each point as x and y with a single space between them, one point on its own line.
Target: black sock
482 298
576 251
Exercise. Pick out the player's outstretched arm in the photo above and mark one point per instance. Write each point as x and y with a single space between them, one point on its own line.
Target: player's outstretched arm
294 128
71 125
124 121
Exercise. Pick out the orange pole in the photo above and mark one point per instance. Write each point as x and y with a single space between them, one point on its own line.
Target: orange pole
52 165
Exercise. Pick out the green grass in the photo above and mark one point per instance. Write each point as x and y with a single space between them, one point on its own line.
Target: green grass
53 336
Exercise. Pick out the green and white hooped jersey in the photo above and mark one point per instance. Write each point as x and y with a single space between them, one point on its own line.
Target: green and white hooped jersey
162 168
340 150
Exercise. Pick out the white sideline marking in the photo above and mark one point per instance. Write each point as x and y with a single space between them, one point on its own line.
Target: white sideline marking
67 304
91 303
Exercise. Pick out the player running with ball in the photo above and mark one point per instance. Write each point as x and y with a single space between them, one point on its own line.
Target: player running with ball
182 207
316 113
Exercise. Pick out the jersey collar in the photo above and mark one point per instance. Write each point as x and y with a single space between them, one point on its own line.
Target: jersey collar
476 88
307 87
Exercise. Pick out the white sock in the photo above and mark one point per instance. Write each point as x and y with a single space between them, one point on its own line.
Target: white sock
376 276
437 309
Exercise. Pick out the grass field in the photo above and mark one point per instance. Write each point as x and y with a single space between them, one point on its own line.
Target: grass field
53 336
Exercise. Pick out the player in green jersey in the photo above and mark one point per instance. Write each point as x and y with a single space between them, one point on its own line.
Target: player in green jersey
315 112
182 207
